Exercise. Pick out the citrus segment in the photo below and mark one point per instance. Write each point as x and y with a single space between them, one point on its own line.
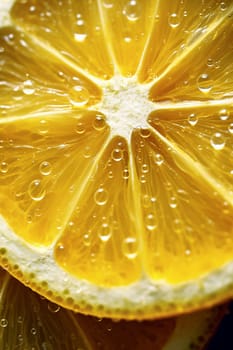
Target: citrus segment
45 148
100 242
77 23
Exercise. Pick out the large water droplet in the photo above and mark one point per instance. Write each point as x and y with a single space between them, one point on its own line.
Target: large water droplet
45 168
132 10
101 196
99 122
217 141
36 190
173 20
130 247
204 83
79 96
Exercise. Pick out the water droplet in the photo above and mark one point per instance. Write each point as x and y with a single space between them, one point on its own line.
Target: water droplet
204 83
224 114
117 154
125 174
230 128
132 10
158 159
3 323
127 38
33 331
144 168
210 62
145 133
104 232
80 128
4 167
87 153
53 307
43 127
192 119
130 247
36 190
80 30
99 122
173 20
101 196
217 141
108 3
223 6
86 239
79 96
45 168
151 222
28 87
173 202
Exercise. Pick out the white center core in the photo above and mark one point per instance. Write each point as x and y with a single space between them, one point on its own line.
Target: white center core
126 105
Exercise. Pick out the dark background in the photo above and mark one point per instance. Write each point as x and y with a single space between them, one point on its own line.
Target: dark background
223 339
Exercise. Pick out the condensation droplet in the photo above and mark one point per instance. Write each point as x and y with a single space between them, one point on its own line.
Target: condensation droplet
101 196
145 133
36 190
53 307
223 6
33 331
43 127
125 174
151 222
28 87
80 33
132 10
192 119
104 232
224 114
130 247
173 20
3 323
217 141
144 168
80 128
230 128
79 96
158 159
99 122
45 168
204 83
86 239
210 62
117 154
4 167
108 3
127 38
173 202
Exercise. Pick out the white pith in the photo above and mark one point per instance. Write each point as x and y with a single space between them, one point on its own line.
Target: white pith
126 105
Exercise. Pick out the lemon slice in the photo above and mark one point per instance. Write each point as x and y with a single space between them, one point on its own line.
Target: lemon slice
116 137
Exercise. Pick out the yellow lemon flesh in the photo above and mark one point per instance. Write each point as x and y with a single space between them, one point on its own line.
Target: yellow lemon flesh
116 141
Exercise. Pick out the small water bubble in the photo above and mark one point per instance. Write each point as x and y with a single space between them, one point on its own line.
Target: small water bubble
86 239
80 128
127 38
108 3
36 190
204 83
145 133
3 323
174 20
117 154
110 174
143 179
43 127
223 6
230 128
4 167
79 96
80 34
45 168
192 119
210 62
87 153
125 174
224 114
144 168
29 218
104 232
28 87
151 222
101 196
173 202
130 247
217 141
99 122
132 10
158 159
33 331
53 307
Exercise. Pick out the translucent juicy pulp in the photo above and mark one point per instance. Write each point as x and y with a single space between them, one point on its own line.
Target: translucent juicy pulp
113 209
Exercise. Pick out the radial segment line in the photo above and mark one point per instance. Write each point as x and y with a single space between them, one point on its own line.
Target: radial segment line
197 169
107 38
227 102
179 58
